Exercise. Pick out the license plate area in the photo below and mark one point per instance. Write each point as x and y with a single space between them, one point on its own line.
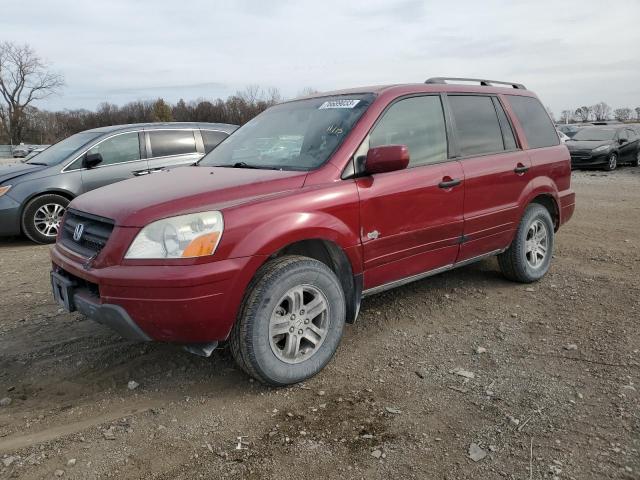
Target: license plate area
63 291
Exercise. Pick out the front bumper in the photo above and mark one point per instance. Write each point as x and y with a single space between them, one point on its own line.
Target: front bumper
173 303
9 216
591 160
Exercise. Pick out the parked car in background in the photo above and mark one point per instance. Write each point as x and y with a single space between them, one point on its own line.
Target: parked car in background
275 236
562 136
35 194
20 151
35 152
568 130
605 147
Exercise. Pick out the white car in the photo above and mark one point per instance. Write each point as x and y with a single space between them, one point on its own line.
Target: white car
562 136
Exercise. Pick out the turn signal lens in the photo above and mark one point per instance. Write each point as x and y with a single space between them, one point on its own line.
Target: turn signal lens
4 189
202 245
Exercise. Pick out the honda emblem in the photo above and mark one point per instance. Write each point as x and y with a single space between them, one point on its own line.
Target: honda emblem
77 233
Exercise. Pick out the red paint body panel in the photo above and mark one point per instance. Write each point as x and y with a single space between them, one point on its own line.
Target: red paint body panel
420 226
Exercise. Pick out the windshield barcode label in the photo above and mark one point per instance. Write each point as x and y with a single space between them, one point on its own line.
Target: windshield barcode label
339 104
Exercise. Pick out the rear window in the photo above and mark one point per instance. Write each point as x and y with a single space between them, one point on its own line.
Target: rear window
477 127
535 121
172 142
211 139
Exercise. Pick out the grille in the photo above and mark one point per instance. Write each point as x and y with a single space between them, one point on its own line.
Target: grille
580 154
95 233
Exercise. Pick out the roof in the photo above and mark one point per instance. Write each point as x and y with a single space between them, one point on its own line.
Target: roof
224 127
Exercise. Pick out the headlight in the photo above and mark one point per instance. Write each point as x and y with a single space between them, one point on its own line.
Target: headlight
602 148
4 189
186 236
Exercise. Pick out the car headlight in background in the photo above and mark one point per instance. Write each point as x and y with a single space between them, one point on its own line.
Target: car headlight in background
602 148
4 189
185 236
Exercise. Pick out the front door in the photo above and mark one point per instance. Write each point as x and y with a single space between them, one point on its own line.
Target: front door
411 220
121 159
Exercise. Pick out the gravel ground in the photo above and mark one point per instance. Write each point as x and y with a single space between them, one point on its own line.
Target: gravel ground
464 375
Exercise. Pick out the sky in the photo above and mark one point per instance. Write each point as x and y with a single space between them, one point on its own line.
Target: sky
570 53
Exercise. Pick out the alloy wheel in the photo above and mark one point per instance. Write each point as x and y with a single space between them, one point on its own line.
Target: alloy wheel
47 219
536 244
299 324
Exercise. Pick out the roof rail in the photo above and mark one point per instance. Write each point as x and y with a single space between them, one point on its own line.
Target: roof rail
484 83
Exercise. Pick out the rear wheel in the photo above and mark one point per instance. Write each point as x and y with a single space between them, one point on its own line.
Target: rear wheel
42 217
291 321
612 162
528 257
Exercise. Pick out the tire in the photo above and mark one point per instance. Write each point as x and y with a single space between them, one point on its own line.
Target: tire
517 262
636 161
262 353
36 222
612 162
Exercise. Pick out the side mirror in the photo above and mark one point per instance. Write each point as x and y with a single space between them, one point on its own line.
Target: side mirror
387 158
622 140
90 160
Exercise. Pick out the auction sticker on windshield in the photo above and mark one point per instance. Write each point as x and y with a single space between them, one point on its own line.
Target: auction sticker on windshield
339 104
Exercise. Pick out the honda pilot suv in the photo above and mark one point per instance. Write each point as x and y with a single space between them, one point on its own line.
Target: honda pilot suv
273 238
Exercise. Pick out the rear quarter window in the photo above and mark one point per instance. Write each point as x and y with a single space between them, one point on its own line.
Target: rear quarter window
212 138
535 121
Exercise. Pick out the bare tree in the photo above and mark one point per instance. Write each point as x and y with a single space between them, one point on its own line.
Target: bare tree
24 79
602 111
622 114
637 109
566 116
583 113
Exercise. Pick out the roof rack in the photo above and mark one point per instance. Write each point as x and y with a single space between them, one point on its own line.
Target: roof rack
484 83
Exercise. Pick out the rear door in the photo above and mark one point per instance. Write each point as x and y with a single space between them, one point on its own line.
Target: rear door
173 148
122 158
411 222
496 172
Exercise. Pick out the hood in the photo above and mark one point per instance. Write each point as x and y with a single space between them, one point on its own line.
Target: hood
586 144
139 201
13 170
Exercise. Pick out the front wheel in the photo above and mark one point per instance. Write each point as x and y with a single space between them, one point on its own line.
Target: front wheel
42 217
291 321
529 256
612 162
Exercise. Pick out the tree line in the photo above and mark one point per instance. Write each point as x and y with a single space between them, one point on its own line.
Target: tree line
600 112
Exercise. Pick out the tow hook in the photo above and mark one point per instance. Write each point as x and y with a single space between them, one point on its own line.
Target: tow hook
201 349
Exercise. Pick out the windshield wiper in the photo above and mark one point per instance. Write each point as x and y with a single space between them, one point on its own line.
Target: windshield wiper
247 165
36 163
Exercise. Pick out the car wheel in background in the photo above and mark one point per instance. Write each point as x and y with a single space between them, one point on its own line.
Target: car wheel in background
528 257
42 217
291 321
612 162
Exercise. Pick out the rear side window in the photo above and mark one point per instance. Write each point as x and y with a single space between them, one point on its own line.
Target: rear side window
418 123
477 127
535 121
172 142
211 139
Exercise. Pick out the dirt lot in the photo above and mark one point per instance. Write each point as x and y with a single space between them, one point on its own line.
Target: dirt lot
556 391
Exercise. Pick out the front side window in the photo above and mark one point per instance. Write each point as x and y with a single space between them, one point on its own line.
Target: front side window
297 135
535 121
477 127
418 123
118 149
171 142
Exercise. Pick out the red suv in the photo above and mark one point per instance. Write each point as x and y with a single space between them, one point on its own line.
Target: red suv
274 237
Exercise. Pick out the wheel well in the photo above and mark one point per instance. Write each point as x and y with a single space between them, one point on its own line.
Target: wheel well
548 202
333 257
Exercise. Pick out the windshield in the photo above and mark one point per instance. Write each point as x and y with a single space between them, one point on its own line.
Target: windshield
598 134
298 135
62 150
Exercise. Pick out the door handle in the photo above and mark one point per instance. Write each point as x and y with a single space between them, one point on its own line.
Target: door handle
453 182
520 169
141 172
